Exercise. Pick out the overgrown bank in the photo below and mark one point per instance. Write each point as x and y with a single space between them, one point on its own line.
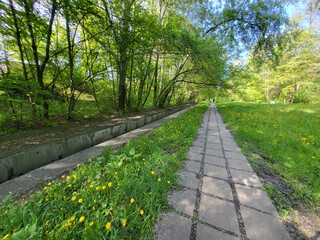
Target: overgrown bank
117 196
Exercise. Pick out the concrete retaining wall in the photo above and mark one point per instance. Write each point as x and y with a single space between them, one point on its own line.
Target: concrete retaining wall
19 162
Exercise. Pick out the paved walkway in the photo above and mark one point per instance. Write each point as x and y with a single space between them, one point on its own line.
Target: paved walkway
222 198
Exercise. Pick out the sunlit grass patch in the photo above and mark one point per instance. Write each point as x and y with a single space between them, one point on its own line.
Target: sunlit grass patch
288 135
116 196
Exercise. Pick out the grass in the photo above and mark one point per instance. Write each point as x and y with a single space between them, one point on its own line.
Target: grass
116 196
288 136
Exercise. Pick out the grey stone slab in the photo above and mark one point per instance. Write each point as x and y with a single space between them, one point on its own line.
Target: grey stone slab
199 143
247 178
235 155
226 134
215 171
214 152
208 233
260 226
172 226
188 179
214 146
214 134
218 213
213 139
183 200
217 187
215 160
196 149
192 166
194 156
243 165
231 147
255 198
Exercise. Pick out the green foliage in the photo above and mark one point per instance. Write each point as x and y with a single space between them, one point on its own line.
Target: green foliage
116 196
288 135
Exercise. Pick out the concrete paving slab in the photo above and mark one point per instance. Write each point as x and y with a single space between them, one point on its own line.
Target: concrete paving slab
217 187
172 226
235 155
247 178
198 144
215 160
215 171
194 156
214 134
192 166
218 213
207 233
196 149
255 198
260 226
214 146
242 165
213 139
214 152
183 200
231 147
188 179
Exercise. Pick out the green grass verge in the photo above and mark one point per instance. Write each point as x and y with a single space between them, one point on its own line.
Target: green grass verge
288 136
117 196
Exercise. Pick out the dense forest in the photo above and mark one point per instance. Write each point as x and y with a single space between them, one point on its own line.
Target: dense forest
123 55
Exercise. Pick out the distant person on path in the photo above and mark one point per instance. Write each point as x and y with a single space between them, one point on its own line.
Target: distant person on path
213 100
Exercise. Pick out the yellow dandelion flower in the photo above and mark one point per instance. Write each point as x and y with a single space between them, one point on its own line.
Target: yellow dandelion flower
116 172
109 184
80 200
49 183
124 222
141 212
6 236
159 179
313 157
152 172
131 200
150 193
104 187
168 182
88 180
108 225
63 176
90 224
73 198
47 199
68 177
81 219
72 218
138 169
44 188
69 185
97 188
91 186
26 202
